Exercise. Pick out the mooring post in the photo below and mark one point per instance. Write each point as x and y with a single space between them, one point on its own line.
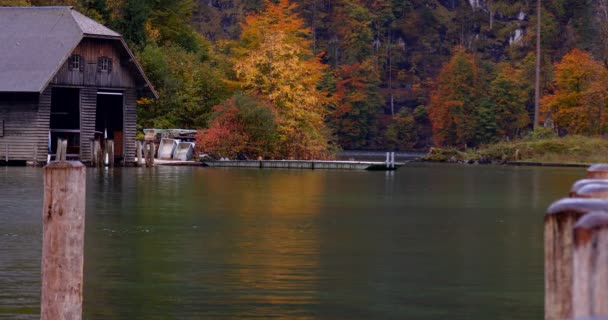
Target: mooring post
147 153
590 283
63 216
578 185
593 190
152 152
64 149
110 151
138 153
98 154
393 160
560 219
61 150
598 171
150 149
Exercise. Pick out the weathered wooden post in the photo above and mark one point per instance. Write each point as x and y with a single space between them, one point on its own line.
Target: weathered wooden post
593 190
560 219
583 182
63 214
152 153
100 154
590 283
58 151
62 147
150 150
138 153
110 152
598 171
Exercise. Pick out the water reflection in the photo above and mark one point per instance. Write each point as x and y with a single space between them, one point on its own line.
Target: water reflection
424 242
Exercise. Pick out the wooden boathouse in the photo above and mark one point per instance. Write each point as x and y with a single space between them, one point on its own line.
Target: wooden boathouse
63 75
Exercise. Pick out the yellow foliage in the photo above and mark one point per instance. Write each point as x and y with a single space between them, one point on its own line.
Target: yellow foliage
273 61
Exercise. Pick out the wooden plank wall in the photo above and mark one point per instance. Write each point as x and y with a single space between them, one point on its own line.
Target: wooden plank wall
91 50
130 120
24 136
44 120
88 107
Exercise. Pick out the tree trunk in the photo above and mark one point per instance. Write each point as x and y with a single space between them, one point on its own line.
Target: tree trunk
537 79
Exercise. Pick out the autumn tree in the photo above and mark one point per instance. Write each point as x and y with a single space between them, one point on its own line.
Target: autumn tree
188 82
357 104
402 132
240 126
273 60
578 102
508 96
452 108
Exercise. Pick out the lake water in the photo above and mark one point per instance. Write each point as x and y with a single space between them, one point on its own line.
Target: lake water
425 242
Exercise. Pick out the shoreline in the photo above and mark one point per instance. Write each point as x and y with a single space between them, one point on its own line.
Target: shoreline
512 163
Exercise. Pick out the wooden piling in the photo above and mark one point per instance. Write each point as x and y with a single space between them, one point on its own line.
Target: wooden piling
63 215
560 219
62 148
98 154
598 171
583 182
110 152
150 151
138 153
590 282
593 190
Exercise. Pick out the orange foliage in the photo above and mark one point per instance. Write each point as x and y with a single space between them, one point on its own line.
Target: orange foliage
579 101
274 62
453 101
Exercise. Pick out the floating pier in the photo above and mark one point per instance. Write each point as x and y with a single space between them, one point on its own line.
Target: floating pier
304 164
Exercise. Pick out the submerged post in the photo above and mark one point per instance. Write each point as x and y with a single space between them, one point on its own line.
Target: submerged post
590 283
63 215
560 219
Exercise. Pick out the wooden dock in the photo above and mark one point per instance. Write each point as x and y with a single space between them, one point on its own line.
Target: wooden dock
303 164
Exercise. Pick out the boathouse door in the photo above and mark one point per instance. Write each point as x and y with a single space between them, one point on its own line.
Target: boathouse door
109 120
65 120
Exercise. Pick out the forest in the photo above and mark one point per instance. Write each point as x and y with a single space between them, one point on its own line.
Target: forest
305 78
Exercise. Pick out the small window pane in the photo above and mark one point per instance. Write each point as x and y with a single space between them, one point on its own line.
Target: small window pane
104 64
74 62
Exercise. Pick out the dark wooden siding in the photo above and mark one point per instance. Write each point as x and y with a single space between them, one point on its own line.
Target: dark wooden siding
43 122
90 50
88 107
24 136
130 119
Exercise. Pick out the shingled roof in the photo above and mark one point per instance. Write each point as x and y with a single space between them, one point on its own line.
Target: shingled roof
36 41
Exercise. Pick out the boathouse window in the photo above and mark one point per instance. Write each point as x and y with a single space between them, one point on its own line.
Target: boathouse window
104 64
75 62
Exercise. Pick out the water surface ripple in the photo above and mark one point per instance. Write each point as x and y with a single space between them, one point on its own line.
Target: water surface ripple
425 242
